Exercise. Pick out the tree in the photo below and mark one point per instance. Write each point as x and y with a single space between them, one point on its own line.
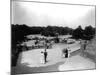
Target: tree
78 33
89 32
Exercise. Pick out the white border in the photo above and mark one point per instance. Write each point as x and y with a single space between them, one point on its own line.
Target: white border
5 37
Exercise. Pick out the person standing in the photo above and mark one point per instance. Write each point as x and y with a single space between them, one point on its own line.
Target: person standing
83 47
45 56
45 52
66 53
85 43
69 51
42 57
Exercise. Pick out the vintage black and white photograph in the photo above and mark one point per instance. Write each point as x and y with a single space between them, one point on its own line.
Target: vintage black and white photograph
52 37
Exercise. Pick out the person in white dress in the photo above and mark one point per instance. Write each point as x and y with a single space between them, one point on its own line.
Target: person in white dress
42 57
69 52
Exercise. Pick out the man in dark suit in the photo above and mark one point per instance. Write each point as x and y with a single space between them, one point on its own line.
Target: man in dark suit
45 56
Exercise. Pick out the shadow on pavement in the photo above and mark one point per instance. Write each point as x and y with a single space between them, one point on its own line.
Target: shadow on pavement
22 69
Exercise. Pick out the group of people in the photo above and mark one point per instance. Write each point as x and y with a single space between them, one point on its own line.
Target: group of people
44 57
44 53
66 53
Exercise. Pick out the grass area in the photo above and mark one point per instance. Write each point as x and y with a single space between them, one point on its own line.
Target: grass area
91 47
90 51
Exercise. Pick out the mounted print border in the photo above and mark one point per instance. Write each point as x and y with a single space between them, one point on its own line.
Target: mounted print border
52 37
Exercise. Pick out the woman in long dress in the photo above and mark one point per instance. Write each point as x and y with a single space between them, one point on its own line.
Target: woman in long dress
42 60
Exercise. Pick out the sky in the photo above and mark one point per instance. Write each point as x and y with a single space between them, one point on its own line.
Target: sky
44 14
